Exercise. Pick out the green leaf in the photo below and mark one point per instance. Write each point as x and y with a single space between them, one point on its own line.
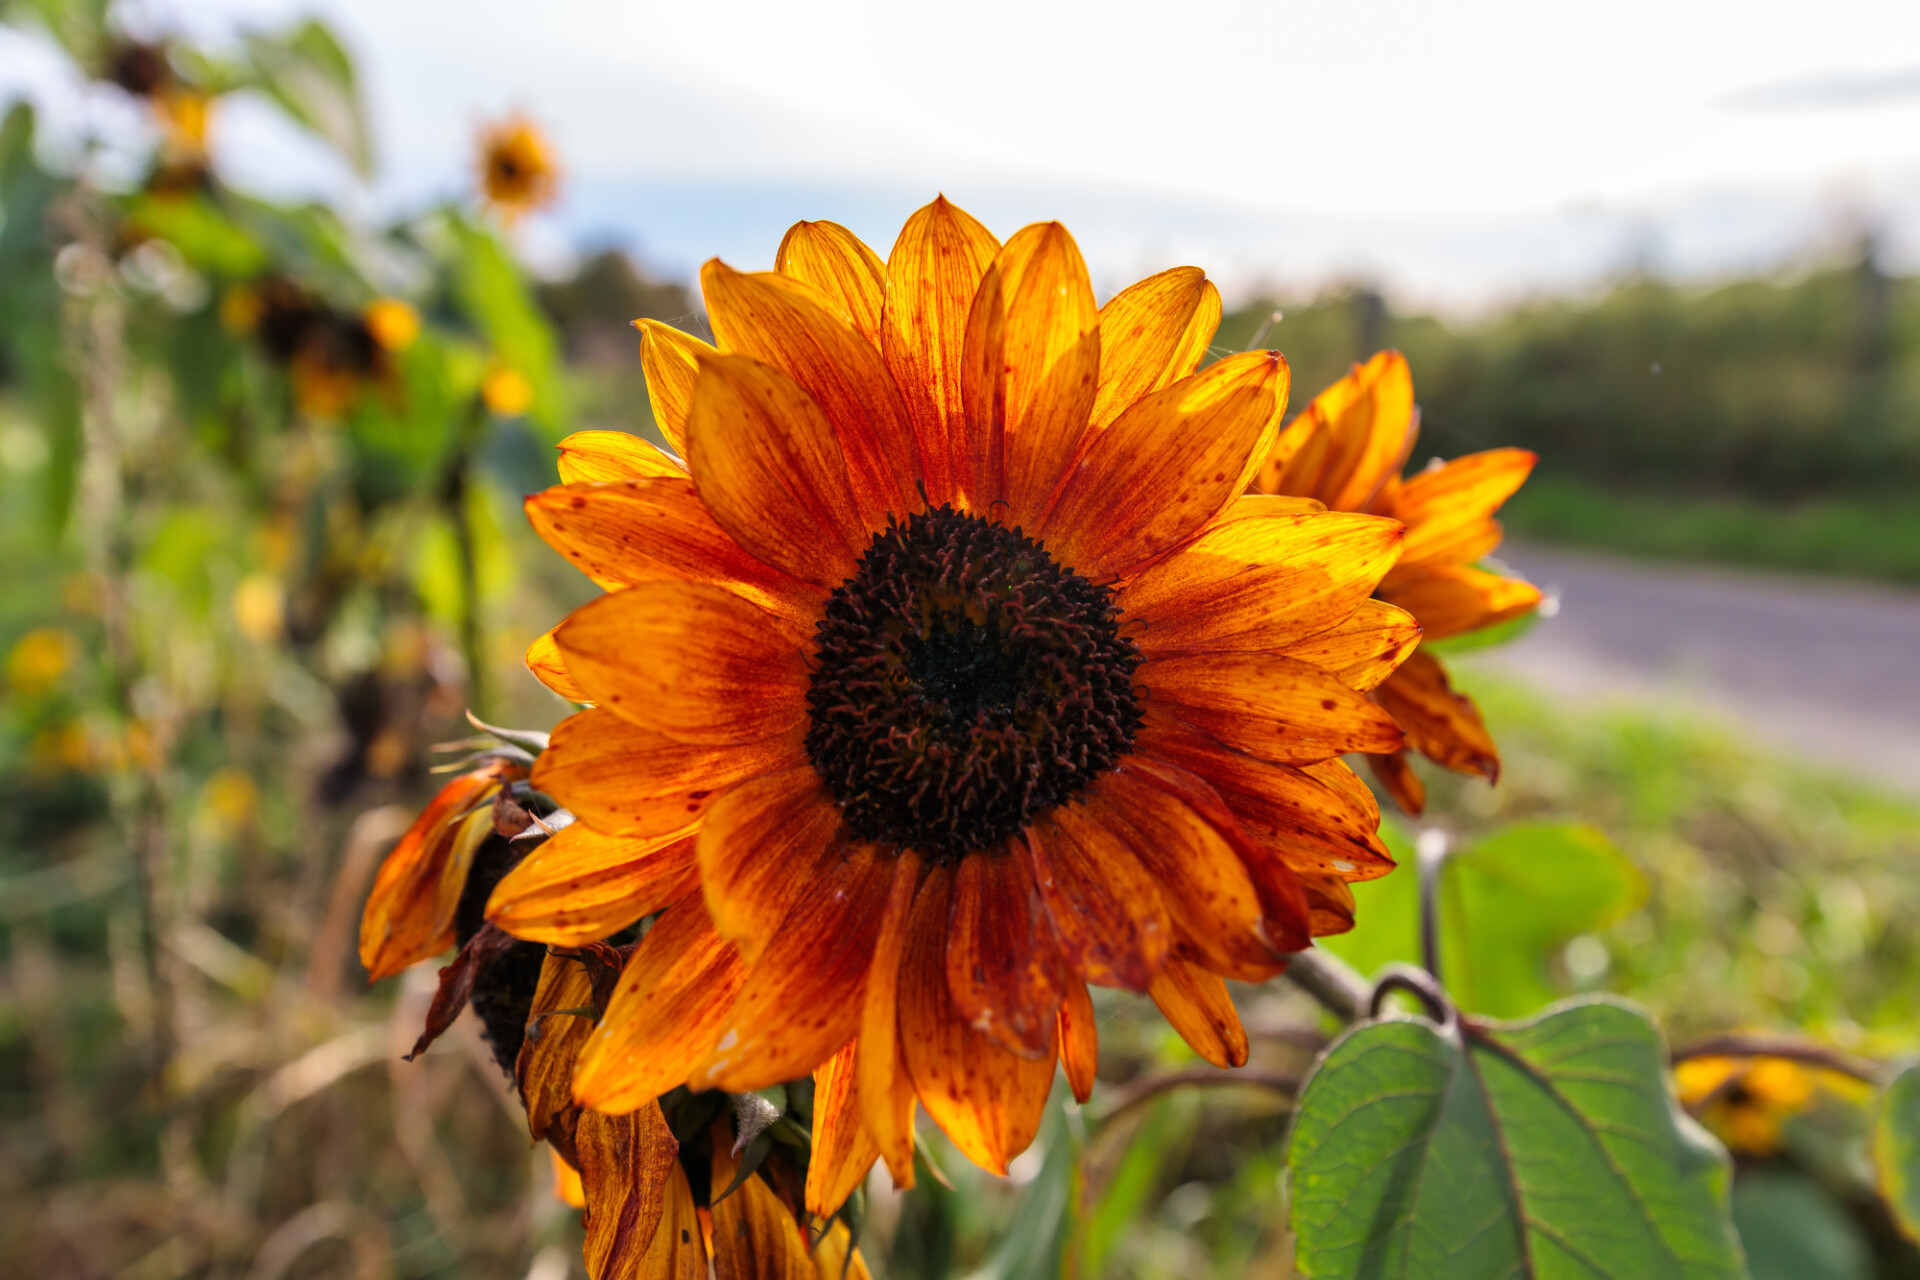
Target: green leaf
1508 906
1792 1229
1546 1148
1896 1148
308 73
492 293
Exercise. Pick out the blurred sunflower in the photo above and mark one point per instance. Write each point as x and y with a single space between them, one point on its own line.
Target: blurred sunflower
1347 449
957 668
1745 1101
517 172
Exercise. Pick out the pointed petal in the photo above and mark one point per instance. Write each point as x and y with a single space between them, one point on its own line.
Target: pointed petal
789 326
409 913
768 465
761 847
1453 599
1346 445
550 669
1168 465
843 1150
1152 334
755 1236
1443 505
835 1258
1441 725
609 457
664 1015
987 1100
1238 908
670 360
886 1091
1004 969
581 886
679 1250
1196 1003
624 780
1401 782
1260 582
1331 902
1031 371
1273 707
1079 1041
625 1162
1309 824
1106 909
692 661
834 261
1466 544
1363 650
544 1071
932 273
659 531
801 1000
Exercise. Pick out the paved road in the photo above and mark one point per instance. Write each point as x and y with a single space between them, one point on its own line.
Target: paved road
1826 672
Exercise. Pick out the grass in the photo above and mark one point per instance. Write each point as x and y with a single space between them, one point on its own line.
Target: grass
1851 536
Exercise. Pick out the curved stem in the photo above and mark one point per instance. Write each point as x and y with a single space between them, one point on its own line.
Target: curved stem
1740 1044
1130 1099
1417 983
1331 981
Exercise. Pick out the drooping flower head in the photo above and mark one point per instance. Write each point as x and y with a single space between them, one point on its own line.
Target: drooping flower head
944 669
1347 449
517 170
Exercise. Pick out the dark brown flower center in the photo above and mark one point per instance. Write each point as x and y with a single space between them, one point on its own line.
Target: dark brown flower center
965 683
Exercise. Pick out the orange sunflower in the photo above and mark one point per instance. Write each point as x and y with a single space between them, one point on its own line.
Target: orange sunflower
517 170
957 671
1348 449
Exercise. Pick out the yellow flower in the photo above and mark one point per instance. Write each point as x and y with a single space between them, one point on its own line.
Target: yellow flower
957 663
1745 1101
231 800
393 324
517 172
39 659
506 392
260 607
1347 450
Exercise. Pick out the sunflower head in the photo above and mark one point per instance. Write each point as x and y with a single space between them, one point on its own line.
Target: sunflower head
517 170
946 667
1746 1102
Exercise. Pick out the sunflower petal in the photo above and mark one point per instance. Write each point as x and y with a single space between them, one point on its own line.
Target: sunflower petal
800 1001
835 1258
932 273
1030 374
843 1150
1345 445
658 530
768 465
761 845
1396 774
692 661
788 325
550 669
987 1100
886 1091
1331 902
755 1236
670 360
1106 909
625 1162
1443 506
1363 650
679 1250
1004 969
625 780
1453 599
1276 708
1261 582
1196 1003
543 1072
1440 724
1079 1040
834 261
1152 334
1168 465
581 886
665 1014
611 457
409 913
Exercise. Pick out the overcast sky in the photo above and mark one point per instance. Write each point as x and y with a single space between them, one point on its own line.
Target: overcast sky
1460 152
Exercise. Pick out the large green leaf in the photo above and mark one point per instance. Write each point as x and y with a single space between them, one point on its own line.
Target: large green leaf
1896 1148
1508 906
1546 1148
1792 1228
308 73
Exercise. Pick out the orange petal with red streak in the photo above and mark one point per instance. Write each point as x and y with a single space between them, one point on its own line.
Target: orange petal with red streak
1079 1041
1004 969
843 1150
670 360
1106 909
761 845
581 886
1196 1003
1277 708
886 1091
625 1163
1365 649
1152 334
611 457
843 269
550 669
1442 725
1454 599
